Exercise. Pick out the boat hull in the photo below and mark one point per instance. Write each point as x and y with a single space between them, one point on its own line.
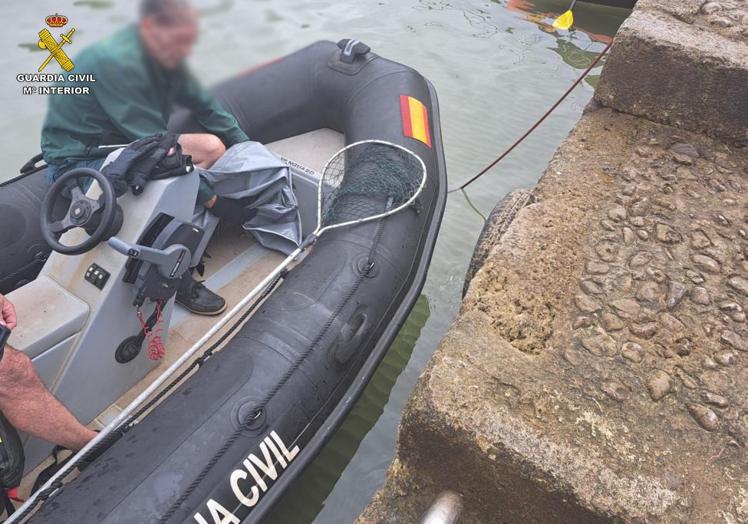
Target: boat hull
306 355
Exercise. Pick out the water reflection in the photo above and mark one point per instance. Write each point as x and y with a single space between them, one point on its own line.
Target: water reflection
592 24
573 55
94 4
219 8
479 19
593 20
31 46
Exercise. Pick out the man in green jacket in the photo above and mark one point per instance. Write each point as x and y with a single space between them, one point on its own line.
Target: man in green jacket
140 75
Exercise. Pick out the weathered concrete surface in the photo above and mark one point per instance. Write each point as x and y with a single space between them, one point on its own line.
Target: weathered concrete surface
683 63
598 370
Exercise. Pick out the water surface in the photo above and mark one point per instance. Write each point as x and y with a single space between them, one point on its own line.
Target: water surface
497 66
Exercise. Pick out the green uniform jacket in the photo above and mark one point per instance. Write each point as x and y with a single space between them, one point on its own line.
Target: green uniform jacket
132 97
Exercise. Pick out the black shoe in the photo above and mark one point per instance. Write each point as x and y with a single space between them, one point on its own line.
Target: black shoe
232 211
198 299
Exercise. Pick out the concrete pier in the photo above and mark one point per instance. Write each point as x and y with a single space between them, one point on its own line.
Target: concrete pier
682 63
598 369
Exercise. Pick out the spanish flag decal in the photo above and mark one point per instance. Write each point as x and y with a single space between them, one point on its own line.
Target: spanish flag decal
415 117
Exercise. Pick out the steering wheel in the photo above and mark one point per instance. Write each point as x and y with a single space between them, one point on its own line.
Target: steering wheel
83 211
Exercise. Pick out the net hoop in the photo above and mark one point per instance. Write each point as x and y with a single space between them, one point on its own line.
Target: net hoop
320 229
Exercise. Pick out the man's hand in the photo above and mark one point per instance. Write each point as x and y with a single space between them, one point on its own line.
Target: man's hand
7 313
212 202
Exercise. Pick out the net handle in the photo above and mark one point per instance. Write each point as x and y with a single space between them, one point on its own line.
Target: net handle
412 199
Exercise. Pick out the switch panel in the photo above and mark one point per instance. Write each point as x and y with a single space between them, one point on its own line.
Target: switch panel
97 275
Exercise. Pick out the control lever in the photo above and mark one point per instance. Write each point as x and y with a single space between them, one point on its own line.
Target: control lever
171 262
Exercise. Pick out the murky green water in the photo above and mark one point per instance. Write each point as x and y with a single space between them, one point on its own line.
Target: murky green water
496 66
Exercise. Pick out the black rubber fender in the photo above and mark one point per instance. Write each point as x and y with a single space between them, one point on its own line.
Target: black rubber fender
495 226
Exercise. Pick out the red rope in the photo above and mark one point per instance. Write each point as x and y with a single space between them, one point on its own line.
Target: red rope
13 494
156 348
540 121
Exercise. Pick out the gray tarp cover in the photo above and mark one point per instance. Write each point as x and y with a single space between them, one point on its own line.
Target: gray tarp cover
250 171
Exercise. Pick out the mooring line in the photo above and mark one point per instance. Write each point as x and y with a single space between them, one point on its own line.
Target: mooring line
536 124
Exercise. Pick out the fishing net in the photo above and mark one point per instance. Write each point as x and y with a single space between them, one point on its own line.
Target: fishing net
366 180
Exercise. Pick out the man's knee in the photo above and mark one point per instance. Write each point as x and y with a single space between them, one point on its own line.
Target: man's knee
16 369
214 148
204 148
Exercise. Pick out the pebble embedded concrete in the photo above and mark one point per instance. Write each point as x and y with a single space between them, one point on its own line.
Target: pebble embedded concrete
596 373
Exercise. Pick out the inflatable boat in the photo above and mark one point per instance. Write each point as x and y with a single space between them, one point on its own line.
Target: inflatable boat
303 351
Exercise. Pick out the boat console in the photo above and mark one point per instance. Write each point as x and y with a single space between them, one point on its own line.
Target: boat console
79 318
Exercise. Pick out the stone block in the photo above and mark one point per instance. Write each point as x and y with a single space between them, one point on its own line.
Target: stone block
682 63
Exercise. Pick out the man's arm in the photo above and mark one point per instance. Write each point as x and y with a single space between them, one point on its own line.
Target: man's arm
27 403
30 407
209 112
122 93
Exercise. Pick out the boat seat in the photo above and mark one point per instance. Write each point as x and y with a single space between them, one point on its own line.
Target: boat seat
47 315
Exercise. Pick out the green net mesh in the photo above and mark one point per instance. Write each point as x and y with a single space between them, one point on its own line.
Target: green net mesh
366 180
